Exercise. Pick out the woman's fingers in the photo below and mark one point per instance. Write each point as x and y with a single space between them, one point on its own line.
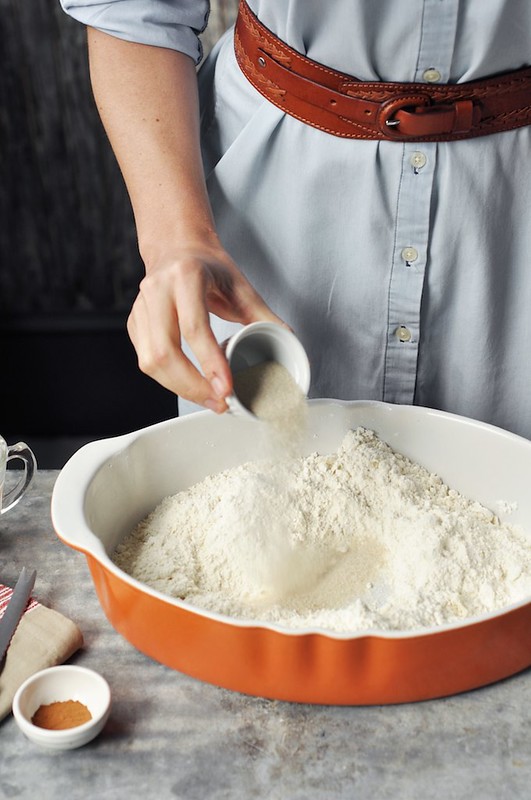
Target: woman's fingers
194 323
154 331
174 303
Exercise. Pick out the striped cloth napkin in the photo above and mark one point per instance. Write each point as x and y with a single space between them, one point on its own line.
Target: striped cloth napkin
42 639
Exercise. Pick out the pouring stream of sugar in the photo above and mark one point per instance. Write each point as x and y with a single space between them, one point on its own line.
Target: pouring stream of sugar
279 567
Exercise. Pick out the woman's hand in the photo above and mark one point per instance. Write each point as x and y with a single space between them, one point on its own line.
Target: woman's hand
174 301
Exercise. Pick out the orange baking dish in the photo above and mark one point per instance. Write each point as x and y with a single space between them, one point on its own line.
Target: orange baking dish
108 486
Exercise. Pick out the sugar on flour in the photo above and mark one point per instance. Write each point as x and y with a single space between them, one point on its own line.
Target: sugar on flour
359 539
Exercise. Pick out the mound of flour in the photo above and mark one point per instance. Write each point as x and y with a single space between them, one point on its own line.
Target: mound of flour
363 538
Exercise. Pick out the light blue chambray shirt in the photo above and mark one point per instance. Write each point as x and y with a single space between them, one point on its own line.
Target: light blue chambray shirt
405 269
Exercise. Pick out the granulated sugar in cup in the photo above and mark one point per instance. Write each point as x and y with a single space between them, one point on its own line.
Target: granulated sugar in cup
264 346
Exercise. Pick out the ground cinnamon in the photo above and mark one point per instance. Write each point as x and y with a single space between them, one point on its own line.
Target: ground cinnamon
61 715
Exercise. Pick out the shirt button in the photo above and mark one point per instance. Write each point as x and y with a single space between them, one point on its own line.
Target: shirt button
418 160
431 75
403 334
409 254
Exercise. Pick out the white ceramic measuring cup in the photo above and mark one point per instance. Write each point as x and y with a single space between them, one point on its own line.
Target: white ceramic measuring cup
266 341
9 453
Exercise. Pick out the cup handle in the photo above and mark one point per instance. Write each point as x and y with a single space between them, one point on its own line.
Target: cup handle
25 454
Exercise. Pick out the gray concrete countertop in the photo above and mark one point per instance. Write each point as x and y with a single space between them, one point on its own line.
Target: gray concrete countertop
170 736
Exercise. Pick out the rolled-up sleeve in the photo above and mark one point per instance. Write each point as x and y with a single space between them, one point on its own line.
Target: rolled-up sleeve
164 23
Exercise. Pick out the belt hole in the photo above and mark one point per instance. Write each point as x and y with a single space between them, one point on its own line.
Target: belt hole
261 61
367 111
333 102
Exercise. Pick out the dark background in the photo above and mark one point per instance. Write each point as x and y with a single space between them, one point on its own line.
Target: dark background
69 264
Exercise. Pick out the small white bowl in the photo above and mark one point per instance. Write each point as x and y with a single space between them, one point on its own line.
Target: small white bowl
57 684
266 341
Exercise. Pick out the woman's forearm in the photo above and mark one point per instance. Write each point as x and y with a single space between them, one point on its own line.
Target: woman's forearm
147 100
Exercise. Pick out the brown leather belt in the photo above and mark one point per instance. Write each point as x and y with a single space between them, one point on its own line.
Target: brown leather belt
342 105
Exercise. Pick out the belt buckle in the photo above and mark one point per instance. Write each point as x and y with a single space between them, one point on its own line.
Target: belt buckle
411 117
388 124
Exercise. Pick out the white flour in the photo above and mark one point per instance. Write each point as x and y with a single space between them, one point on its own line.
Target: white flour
360 539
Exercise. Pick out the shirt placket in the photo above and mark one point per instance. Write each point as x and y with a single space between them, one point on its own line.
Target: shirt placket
412 220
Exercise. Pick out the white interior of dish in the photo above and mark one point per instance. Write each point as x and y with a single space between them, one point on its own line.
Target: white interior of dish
108 486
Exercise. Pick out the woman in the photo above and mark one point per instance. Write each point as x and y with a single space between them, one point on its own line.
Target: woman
401 263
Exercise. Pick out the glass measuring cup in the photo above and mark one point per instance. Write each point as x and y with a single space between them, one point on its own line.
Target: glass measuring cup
8 453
